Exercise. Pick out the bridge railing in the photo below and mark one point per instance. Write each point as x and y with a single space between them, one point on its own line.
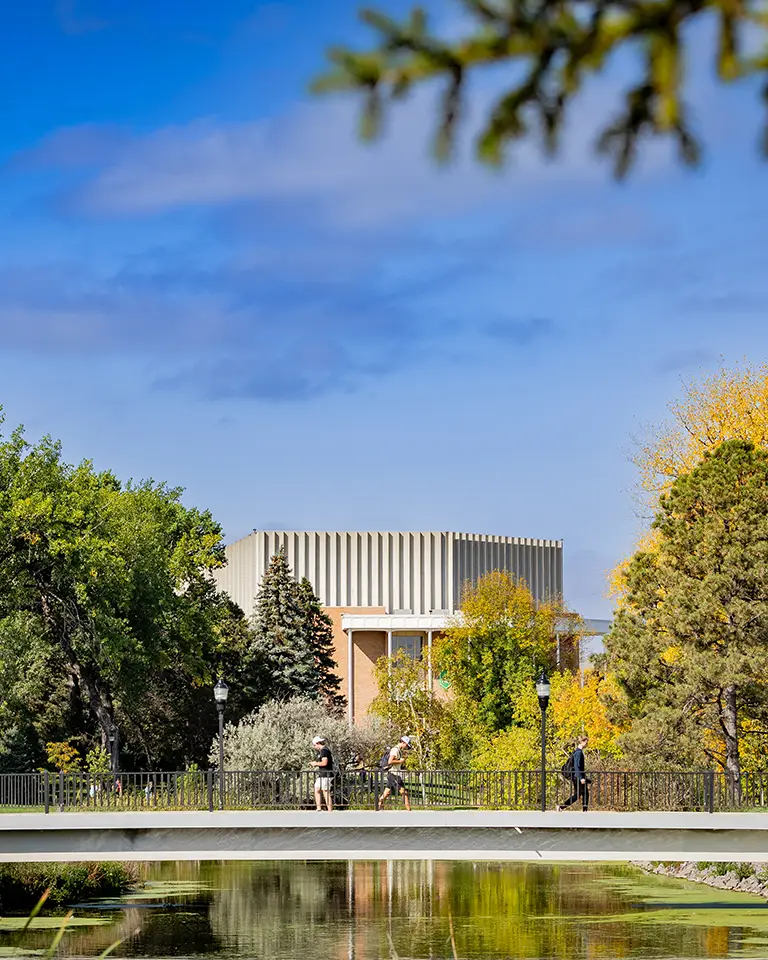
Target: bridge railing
696 790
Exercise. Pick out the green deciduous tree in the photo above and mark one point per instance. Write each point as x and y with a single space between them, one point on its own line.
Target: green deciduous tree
690 646
406 704
551 47
38 702
107 586
495 648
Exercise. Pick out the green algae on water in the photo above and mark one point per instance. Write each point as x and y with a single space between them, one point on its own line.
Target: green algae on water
10 924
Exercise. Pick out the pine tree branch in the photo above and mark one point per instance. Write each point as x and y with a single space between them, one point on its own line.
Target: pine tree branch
556 45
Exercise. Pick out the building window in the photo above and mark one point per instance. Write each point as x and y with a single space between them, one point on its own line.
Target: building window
410 645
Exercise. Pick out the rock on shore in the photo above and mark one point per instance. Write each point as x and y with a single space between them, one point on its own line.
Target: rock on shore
741 877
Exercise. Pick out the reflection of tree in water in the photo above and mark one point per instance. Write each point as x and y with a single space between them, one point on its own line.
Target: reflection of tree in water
278 909
365 911
146 932
387 909
173 933
148 929
82 941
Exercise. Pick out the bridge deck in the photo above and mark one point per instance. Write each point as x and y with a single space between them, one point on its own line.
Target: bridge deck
366 835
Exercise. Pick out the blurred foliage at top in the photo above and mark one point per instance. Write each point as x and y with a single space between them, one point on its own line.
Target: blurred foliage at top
551 48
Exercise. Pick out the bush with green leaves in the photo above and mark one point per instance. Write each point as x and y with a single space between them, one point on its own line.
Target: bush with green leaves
97 760
279 735
23 884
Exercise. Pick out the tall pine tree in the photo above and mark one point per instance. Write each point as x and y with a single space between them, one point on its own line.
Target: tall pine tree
690 648
295 636
278 629
318 634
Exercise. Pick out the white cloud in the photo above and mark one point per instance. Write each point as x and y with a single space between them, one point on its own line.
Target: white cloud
311 156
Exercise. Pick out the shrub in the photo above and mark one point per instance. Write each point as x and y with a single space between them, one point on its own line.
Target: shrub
97 760
22 884
279 735
62 756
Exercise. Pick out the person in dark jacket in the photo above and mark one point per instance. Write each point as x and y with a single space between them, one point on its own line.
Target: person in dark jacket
579 778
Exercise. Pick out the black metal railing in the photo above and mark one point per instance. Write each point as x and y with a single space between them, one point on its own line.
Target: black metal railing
698 790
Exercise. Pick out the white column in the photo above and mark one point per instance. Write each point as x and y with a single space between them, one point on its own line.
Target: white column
430 678
389 643
350 677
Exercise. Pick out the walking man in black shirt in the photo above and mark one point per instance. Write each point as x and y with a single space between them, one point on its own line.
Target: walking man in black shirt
323 774
579 778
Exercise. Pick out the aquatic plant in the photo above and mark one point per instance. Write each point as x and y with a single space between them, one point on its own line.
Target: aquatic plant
53 947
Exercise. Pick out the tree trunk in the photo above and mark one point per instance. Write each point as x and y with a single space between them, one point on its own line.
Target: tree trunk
730 726
96 697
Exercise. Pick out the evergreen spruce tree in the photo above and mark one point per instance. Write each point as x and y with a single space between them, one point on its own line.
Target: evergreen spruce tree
293 637
279 630
318 635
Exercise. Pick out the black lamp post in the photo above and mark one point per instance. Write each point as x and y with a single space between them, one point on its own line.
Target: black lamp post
220 694
114 749
542 692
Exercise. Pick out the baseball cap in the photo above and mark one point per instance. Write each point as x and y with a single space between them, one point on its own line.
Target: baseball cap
318 740
405 740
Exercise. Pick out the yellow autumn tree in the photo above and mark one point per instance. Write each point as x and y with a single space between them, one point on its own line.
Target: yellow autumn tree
730 404
581 708
575 707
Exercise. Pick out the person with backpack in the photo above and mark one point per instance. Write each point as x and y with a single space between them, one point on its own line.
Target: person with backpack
323 774
575 771
392 762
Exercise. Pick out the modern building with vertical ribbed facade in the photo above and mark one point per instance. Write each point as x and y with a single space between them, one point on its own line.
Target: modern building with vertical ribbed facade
418 572
387 590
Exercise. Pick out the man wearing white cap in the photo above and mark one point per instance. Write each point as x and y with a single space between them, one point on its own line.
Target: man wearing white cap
395 783
323 773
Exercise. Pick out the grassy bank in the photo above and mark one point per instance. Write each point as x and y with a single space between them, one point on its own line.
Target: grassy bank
22 884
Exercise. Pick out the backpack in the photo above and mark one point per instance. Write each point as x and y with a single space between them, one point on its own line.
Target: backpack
568 769
384 762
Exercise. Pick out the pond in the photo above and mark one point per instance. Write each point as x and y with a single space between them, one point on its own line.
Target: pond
401 910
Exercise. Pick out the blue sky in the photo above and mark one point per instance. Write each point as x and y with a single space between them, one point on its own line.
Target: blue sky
205 278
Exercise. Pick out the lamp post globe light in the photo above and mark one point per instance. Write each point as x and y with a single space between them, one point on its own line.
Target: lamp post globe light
220 694
542 692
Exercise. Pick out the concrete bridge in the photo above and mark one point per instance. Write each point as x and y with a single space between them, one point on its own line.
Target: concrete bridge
389 835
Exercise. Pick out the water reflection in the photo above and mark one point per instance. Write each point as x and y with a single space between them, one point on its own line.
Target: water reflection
403 910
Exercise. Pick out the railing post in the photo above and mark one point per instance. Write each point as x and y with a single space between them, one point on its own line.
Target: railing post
210 791
711 791
47 789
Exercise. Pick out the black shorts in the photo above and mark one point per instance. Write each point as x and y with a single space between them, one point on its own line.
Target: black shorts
395 782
